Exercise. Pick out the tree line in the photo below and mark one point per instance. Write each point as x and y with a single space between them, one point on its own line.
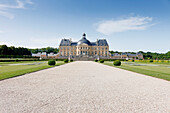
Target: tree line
47 50
5 50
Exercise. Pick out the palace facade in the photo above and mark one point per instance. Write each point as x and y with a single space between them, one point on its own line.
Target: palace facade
83 48
86 50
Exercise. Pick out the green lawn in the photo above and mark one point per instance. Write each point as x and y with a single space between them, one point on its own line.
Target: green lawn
162 71
8 71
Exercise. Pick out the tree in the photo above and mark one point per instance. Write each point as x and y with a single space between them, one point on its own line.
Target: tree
4 50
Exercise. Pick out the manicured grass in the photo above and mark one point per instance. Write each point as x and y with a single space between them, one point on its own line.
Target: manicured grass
159 63
7 71
3 63
161 71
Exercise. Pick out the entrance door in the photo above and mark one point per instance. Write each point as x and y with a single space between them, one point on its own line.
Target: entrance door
84 53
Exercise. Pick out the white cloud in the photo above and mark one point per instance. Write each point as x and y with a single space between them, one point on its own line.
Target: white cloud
6 14
132 23
20 4
29 2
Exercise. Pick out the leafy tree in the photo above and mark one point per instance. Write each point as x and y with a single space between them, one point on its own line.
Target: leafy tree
4 50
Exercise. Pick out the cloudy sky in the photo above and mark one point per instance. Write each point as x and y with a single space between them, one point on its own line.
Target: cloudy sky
128 25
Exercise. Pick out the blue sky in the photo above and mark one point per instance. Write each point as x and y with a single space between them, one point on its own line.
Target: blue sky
128 25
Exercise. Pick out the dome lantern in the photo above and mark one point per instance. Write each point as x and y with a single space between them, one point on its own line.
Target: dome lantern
84 35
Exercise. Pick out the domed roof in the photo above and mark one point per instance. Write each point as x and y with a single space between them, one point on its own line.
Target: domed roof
84 40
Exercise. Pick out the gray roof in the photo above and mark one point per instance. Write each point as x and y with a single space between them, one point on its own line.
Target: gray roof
65 42
93 44
73 43
84 40
102 42
115 54
129 54
139 53
68 42
124 53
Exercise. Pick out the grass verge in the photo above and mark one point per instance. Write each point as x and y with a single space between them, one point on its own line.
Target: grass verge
154 71
9 71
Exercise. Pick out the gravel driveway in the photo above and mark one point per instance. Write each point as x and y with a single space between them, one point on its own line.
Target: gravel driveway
84 87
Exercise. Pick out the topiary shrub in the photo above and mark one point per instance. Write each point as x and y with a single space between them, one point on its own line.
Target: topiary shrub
133 60
151 60
117 63
71 60
101 61
66 60
51 62
96 60
16 60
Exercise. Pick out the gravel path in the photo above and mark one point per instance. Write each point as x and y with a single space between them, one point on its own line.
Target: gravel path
84 87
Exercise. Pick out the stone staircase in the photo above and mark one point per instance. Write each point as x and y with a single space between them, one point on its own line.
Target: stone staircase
84 58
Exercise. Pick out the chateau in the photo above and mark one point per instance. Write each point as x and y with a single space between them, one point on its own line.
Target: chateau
86 50
83 48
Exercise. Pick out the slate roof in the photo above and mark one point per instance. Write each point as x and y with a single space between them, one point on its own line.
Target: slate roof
124 53
84 40
65 42
68 42
115 54
73 43
93 44
102 42
129 54
139 53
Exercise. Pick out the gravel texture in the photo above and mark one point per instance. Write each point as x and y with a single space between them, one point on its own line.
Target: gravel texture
84 87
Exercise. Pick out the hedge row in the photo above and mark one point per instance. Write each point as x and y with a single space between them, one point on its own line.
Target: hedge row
166 61
113 59
18 60
15 56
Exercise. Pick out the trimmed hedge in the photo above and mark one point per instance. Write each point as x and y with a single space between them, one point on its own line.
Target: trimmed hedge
14 60
151 60
96 60
60 59
71 60
117 63
101 61
66 60
114 59
16 56
51 62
